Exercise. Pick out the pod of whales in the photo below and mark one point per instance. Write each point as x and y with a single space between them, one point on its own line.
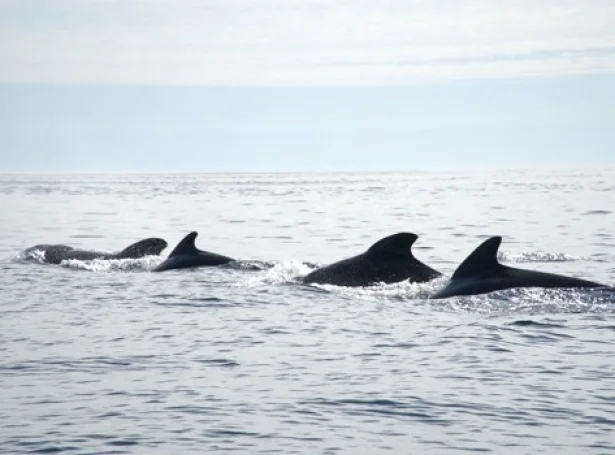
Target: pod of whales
187 255
55 254
481 273
389 260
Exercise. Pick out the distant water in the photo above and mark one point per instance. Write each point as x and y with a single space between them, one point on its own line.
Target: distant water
106 357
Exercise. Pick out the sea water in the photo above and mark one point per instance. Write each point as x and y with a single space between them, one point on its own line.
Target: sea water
107 357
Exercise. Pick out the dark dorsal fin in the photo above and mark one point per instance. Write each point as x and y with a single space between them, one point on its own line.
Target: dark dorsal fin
481 260
145 247
396 243
186 246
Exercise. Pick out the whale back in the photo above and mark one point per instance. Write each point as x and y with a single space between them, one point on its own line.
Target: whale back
389 260
52 254
147 247
187 255
481 273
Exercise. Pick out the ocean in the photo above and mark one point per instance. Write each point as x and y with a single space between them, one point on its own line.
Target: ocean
106 357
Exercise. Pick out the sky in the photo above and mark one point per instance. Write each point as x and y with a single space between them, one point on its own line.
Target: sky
291 85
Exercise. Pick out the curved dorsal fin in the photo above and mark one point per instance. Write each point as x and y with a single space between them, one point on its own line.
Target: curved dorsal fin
395 243
186 246
482 259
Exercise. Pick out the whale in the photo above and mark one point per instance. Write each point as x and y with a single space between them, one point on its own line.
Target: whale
55 254
481 273
389 260
187 255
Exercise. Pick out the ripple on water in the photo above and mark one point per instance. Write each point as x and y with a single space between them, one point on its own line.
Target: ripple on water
104 357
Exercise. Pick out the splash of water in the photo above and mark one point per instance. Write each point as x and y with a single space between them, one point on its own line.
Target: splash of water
145 264
541 256
281 273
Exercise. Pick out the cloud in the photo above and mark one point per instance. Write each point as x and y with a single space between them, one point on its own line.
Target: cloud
300 42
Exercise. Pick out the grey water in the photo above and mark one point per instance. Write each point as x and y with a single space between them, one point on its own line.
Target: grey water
108 357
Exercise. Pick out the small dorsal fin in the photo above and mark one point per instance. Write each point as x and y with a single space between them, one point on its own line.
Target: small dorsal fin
186 246
401 241
145 247
482 259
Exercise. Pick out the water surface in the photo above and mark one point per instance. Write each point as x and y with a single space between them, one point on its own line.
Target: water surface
107 357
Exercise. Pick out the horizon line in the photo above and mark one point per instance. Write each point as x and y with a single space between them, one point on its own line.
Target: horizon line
569 167
410 83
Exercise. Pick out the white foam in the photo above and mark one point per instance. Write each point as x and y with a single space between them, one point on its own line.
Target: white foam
540 256
284 272
146 263
32 255
401 290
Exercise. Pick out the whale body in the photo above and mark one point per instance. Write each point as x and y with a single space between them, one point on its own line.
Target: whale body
481 273
389 260
187 255
55 254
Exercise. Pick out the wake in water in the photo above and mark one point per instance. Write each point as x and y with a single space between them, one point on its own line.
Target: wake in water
542 256
281 273
533 301
144 264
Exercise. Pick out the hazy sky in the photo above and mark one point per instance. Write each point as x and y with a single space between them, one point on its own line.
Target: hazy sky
187 85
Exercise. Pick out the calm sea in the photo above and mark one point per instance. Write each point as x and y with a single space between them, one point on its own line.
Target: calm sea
107 357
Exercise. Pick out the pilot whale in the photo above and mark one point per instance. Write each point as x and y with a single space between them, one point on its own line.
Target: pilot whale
481 273
55 254
187 255
389 260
